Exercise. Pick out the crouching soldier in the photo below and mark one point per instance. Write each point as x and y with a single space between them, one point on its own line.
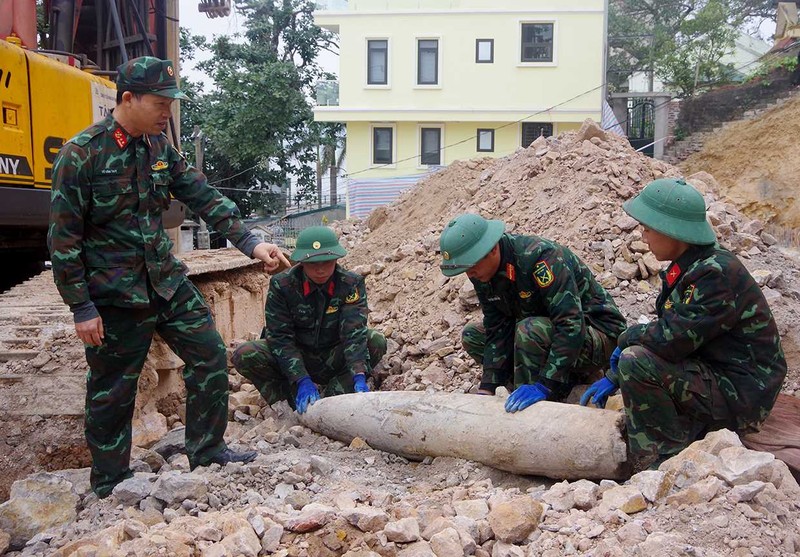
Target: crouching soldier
316 331
547 323
713 358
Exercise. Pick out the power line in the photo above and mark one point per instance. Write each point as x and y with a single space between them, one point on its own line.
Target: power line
772 56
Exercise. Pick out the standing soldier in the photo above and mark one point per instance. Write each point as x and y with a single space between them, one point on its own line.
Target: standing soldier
713 358
547 323
316 332
113 267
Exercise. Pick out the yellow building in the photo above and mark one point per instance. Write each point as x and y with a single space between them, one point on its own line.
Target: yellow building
423 83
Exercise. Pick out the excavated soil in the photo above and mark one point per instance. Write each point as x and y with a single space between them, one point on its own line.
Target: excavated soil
757 164
306 495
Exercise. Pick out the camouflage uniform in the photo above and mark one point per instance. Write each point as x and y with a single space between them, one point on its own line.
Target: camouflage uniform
312 330
545 318
111 257
712 359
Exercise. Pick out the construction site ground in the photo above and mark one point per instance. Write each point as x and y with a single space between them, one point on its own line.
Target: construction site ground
308 495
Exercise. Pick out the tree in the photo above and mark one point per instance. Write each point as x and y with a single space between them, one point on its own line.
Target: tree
680 41
260 110
242 179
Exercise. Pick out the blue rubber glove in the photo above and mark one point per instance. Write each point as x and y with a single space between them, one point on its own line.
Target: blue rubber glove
525 395
307 394
360 383
614 360
599 392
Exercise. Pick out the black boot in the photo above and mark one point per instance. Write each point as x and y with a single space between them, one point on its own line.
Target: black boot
228 455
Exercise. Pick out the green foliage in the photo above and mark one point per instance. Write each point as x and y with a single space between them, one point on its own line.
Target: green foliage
258 118
682 41
769 66
692 56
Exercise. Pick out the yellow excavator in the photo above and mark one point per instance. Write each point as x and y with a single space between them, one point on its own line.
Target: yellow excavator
47 95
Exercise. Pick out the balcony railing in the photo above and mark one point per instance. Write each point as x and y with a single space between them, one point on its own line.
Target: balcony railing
332 5
327 93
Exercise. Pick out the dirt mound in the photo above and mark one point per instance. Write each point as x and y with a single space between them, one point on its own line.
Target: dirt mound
757 163
308 495
568 188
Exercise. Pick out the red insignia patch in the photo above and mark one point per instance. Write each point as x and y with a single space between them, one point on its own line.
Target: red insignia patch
120 138
306 288
673 273
330 288
511 272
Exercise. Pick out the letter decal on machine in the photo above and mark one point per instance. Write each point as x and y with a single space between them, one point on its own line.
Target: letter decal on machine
51 148
15 170
104 99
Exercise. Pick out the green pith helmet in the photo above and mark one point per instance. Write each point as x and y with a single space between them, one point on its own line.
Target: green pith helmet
673 208
317 243
466 240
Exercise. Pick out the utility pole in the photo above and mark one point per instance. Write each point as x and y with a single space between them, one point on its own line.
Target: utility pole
203 240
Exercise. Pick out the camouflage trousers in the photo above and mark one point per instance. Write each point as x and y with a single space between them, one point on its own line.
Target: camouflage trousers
255 361
668 405
532 340
186 325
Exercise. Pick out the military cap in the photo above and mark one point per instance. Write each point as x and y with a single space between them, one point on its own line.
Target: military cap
317 243
148 74
673 208
466 240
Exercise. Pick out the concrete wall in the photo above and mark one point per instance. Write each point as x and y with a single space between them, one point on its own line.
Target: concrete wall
458 138
468 95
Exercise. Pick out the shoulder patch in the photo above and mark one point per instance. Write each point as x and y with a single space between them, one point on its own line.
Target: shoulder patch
352 298
542 274
687 294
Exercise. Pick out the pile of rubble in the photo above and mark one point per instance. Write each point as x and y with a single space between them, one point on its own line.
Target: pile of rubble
306 495
569 189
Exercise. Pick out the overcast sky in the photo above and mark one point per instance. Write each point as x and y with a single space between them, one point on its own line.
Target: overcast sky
199 24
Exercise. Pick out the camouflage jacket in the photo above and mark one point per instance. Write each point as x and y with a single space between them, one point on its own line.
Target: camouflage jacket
538 277
711 309
106 237
302 316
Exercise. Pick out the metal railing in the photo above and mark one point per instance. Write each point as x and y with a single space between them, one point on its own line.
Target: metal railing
301 206
332 5
327 93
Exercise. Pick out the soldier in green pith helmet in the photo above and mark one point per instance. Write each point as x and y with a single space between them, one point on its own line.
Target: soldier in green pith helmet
712 359
112 266
547 323
316 331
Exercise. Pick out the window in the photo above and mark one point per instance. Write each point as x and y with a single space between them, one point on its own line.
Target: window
485 140
484 51
430 141
533 130
428 62
377 62
382 145
537 42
